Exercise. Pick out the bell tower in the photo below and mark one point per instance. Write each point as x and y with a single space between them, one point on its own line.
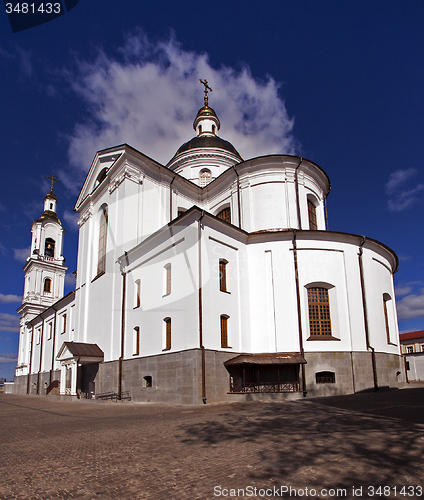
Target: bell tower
45 267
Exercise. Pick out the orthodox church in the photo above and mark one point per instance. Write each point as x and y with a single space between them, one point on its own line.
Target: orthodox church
212 278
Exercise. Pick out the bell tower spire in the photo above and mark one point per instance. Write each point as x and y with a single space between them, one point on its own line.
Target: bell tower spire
206 122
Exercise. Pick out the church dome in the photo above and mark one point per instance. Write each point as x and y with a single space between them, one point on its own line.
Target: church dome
206 154
208 141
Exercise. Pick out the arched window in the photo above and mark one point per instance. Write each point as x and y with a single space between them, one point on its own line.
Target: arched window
319 312
386 303
312 215
224 330
136 341
101 260
205 177
47 285
167 279
49 247
223 275
225 214
167 333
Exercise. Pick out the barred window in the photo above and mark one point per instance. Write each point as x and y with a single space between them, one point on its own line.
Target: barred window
224 331
223 275
225 214
101 261
312 215
319 312
325 378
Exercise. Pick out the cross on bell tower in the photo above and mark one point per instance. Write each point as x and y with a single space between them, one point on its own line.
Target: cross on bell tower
207 89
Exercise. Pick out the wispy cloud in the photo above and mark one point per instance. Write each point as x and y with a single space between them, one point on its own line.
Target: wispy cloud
9 299
148 94
8 358
70 279
400 197
9 322
411 306
71 218
21 254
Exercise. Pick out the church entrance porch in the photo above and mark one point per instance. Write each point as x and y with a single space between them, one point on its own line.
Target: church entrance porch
79 364
265 373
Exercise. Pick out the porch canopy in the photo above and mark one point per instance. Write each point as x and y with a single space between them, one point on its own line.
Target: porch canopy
277 358
267 372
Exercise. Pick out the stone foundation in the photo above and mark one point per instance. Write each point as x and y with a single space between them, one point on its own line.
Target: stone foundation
176 377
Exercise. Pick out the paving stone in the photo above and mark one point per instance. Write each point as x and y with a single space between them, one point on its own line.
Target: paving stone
57 449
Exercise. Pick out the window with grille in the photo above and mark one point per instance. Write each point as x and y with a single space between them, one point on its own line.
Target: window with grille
319 312
224 331
225 214
223 275
205 177
409 349
325 378
101 261
167 333
312 215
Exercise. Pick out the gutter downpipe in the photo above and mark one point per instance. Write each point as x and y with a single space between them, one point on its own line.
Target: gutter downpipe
124 286
326 212
364 305
296 182
30 358
299 317
41 356
170 199
53 346
202 347
238 196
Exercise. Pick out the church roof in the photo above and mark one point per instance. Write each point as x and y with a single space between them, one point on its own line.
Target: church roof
83 349
208 141
278 358
48 215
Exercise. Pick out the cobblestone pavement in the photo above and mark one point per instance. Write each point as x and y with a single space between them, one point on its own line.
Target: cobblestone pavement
92 450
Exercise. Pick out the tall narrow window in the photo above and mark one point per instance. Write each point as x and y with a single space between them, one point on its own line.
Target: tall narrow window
224 331
47 285
137 293
50 327
225 214
205 177
167 333
136 341
101 261
167 279
312 215
386 320
319 312
223 275
64 318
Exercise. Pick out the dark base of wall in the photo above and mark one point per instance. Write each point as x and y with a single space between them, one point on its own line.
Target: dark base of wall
177 377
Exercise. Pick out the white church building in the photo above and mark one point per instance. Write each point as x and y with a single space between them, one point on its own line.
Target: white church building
212 278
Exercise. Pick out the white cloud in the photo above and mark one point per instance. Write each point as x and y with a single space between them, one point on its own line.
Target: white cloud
148 96
71 218
70 279
9 299
401 198
8 358
411 306
402 290
21 254
9 322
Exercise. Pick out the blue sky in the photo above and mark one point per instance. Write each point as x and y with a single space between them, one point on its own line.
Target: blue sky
338 82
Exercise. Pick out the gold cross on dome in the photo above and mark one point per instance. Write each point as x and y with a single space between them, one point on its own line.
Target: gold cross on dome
53 179
207 88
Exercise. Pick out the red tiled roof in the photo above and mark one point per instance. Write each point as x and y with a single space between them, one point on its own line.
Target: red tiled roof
411 335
